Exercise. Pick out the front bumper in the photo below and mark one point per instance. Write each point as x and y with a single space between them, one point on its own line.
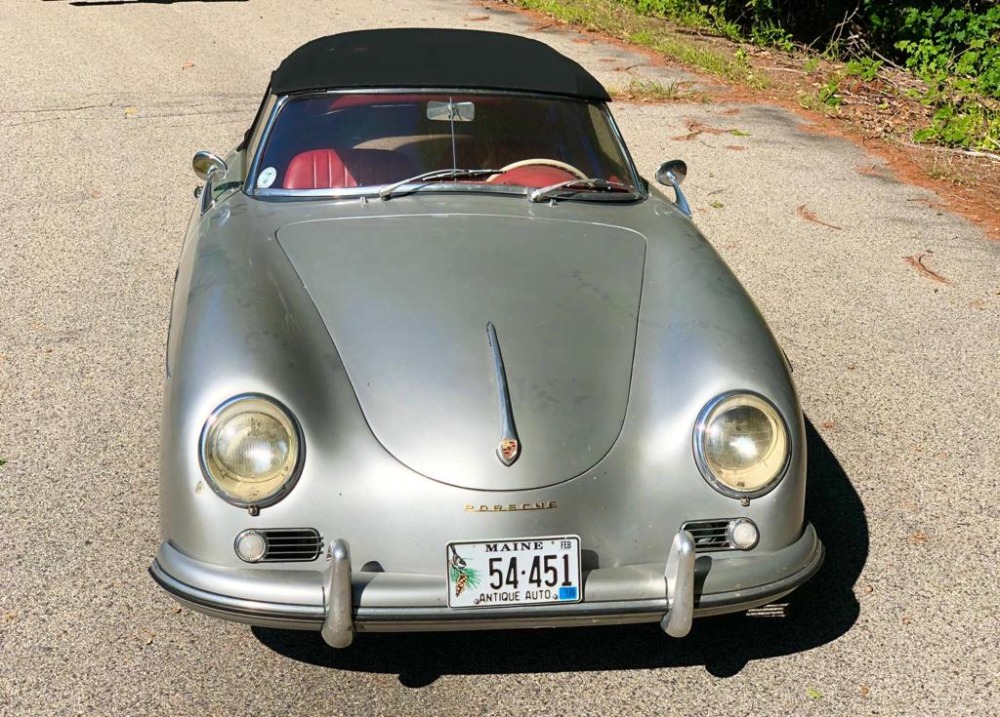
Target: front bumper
339 601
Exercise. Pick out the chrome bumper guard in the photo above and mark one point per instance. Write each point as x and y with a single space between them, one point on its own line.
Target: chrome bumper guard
334 601
679 576
338 625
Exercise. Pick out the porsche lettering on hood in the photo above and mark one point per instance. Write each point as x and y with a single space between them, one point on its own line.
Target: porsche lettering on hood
407 300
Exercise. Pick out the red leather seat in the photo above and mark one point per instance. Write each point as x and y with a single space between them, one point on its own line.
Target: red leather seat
330 169
318 169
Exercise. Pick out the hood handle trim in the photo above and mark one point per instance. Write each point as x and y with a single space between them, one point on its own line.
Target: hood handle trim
509 447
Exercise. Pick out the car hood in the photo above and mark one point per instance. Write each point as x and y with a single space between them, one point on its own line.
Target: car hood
407 299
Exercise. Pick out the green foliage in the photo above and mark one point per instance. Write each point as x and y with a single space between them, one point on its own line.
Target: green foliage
939 42
956 50
866 68
770 35
649 90
828 93
962 123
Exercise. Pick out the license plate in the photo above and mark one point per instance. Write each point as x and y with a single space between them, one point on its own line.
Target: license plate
522 571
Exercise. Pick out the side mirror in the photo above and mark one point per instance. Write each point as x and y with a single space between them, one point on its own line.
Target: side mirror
205 164
675 167
671 174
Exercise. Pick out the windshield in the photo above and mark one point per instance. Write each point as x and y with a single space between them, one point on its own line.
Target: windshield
337 142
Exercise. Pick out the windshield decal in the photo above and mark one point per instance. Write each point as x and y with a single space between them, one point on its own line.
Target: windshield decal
266 177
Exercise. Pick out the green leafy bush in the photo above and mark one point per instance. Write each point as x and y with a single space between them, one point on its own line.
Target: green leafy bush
959 42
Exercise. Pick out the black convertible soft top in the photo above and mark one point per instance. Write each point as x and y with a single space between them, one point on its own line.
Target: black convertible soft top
415 57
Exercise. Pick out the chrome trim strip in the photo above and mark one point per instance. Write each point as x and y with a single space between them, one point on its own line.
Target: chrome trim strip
509 447
265 137
260 125
372 192
637 181
581 614
310 616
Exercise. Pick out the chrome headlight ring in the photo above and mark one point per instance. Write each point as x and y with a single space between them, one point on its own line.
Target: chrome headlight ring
745 409
251 450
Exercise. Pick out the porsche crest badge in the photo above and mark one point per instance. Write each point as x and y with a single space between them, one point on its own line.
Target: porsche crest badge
508 450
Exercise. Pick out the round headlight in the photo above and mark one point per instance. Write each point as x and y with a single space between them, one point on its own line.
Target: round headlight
741 444
250 451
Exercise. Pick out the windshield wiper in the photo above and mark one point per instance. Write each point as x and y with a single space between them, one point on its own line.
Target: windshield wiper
388 190
575 186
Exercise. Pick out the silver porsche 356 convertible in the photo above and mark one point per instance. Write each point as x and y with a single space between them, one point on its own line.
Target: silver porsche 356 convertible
439 360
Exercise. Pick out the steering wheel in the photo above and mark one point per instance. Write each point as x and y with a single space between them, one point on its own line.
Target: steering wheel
538 160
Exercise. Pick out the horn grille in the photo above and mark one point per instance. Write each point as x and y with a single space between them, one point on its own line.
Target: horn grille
710 535
285 545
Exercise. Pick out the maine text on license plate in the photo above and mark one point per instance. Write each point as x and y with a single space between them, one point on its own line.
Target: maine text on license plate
522 571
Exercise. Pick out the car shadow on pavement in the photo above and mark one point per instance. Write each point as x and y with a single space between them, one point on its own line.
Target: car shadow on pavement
820 611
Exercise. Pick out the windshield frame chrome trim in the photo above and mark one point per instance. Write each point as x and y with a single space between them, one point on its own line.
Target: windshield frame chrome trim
372 192
638 182
248 186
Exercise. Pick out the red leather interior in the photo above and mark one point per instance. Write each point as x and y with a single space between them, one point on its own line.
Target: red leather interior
332 169
318 169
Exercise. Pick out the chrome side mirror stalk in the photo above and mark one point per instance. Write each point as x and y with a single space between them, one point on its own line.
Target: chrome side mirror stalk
205 164
671 174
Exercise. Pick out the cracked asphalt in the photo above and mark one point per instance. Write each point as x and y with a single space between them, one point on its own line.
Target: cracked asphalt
887 305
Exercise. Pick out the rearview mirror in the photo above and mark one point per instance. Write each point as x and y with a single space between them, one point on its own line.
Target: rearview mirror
205 164
451 111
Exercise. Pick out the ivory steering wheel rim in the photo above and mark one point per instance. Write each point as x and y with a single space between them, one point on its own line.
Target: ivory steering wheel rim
558 164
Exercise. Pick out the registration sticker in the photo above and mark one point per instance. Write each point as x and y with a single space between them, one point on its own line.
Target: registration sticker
266 177
514 571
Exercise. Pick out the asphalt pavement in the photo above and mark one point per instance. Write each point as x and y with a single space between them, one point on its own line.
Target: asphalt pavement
887 305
